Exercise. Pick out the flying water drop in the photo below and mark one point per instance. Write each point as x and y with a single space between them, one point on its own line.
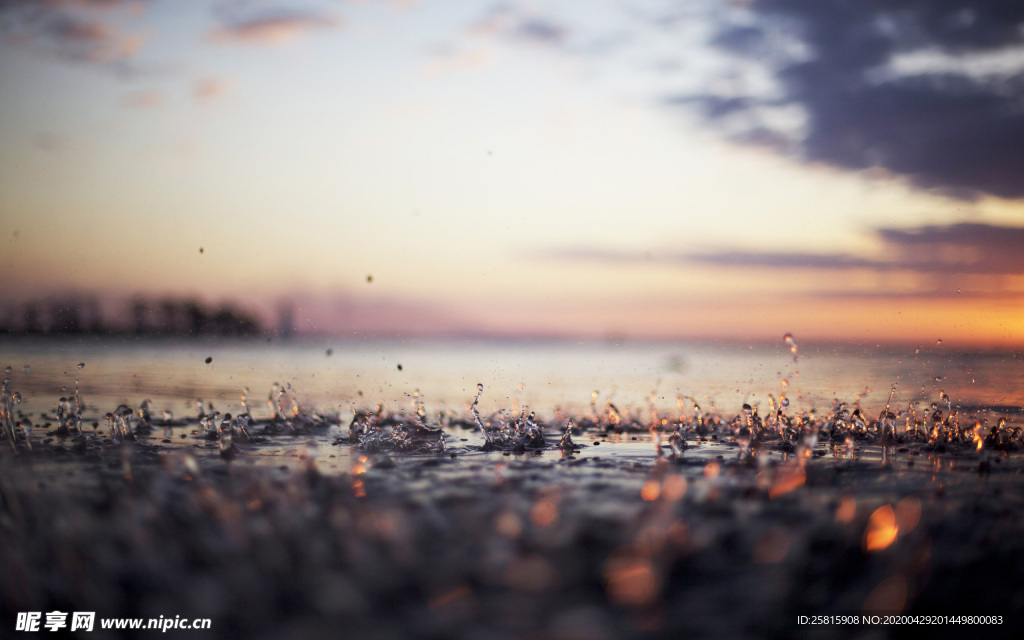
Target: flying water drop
791 343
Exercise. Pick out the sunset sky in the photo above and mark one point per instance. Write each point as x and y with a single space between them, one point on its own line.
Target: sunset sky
840 170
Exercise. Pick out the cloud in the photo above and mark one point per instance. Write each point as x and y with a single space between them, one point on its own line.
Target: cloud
68 30
515 24
272 27
398 5
210 88
963 249
144 99
608 256
931 90
446 59
94 4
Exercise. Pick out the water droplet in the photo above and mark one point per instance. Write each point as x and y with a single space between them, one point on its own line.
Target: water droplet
8 370
788 338
81 365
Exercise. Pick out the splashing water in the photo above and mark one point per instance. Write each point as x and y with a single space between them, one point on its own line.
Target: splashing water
476 412
7 401
208 425
25 426
66 418
225 438
78 403
240 429
245 401
566 443
119 423
744 430
614 416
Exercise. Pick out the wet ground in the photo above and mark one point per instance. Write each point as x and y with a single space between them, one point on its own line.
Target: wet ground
364 526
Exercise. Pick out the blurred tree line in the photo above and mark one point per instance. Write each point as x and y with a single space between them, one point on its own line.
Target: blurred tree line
83 315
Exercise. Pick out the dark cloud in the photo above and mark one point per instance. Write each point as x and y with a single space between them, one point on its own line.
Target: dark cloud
956 249
69 30
940 128
512 22
92 4
541 31
784 260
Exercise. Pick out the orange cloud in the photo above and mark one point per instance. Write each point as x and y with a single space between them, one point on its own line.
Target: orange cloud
448 61
210 88
272 30
145 99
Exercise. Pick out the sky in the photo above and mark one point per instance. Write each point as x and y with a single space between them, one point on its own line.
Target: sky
583 168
